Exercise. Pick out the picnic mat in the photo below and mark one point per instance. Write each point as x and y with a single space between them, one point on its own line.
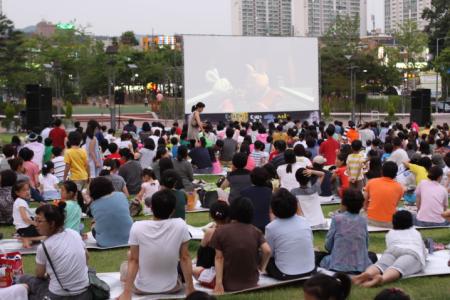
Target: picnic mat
436 265
330 200
113 280
12 245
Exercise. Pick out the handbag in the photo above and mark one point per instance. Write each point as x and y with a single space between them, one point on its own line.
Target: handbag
98 288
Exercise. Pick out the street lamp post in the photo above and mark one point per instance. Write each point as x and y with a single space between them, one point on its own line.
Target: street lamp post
111 50
436 70
352 85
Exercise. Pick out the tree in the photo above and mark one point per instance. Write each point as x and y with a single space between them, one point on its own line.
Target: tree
438 17
128 38
412 41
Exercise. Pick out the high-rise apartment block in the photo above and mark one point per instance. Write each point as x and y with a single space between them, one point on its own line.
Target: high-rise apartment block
293 17
398 11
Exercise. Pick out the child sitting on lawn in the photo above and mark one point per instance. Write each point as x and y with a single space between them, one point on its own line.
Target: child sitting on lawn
25 225
405 254
308 197
347 241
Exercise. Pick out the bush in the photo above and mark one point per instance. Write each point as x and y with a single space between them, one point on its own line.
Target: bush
69 110
10 113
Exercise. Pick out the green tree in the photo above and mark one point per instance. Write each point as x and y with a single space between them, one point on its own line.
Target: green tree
438 17
412 42
128 38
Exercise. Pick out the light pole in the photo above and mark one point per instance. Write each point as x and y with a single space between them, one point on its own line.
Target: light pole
437 73
352 85
111 51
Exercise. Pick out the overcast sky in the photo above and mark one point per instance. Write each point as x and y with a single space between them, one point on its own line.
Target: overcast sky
112 17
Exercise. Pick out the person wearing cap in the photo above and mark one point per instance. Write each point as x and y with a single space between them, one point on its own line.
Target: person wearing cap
37 148
130 127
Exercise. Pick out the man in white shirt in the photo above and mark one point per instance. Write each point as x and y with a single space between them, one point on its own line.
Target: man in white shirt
46 131
399 155
156 246
38 149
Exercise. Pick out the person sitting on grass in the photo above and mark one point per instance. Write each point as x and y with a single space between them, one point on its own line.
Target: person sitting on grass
111 213
150 270
260 194
169 179
289 235
308 197
61 260
25 225
74 202
347 241
431 200
150 185
241 250
109 170
219 212
48 182
8 179
239 177
392 294
404 256
325 287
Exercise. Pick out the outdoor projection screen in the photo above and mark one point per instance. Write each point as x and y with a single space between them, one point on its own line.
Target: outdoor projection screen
233 74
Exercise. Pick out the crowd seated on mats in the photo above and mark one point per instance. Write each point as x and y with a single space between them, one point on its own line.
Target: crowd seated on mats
270 182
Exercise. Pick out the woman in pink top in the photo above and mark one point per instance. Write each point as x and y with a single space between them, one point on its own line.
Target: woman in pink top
245 148
31 168
431 200
262 135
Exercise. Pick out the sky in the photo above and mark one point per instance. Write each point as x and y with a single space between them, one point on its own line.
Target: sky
112 17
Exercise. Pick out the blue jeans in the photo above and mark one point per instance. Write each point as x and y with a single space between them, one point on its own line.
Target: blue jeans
429 224
36 195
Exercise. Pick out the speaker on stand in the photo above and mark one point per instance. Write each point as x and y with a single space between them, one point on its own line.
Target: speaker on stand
421 106
38 112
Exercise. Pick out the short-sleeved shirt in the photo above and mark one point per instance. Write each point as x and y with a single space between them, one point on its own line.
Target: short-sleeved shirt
149 188
159 252
291 241
112 219
288 180
32 171
48 182
131 173
343 180
355 164
200 158
68 255
239 180
228 150
260 197
419 172
180 205
309 202
19 223
384 194
433 201
240 244
328 150
59 165
76 158
58 135
117 181
73 215
399 156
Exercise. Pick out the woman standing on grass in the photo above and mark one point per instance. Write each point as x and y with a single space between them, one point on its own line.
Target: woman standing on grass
93 149
195 124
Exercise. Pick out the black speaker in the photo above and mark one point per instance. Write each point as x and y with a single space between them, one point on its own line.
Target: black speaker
361 98
119 97
421 106
32 96
38 107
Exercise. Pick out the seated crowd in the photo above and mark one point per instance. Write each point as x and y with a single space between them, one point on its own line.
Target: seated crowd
263 221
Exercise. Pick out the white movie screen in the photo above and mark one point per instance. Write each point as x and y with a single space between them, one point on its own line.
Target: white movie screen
233 74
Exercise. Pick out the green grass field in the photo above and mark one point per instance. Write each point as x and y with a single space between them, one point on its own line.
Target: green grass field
425 288
418 288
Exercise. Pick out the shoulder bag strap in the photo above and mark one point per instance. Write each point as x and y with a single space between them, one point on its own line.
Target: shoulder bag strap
53 268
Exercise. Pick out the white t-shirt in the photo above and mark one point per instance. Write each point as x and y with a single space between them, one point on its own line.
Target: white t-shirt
399 156
407 239
149 188
48 182
18 221
67 252
159 252
60 165
287 180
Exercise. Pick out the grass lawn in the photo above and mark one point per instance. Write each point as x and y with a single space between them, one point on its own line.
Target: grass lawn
129 108
418 288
